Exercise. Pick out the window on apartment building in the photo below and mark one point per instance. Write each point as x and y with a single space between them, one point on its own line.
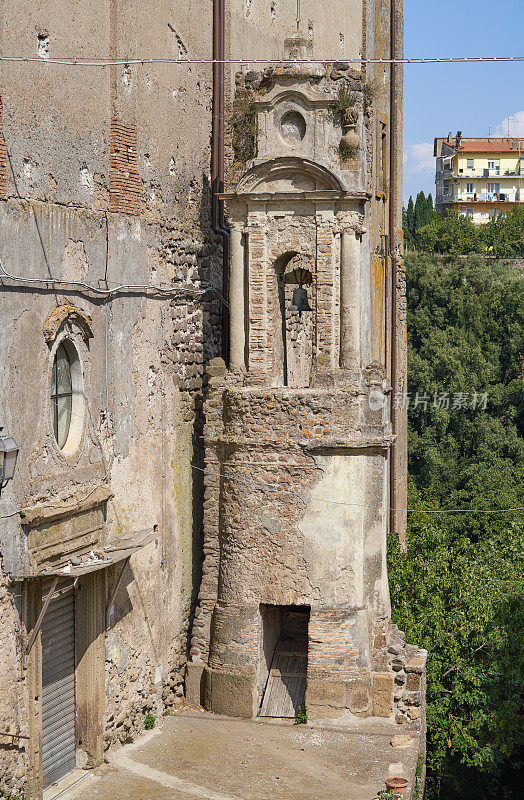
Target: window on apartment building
493 188
469 188
66 397
495 165
471 163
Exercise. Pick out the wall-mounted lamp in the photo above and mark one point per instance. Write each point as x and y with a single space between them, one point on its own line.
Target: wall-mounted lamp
8 456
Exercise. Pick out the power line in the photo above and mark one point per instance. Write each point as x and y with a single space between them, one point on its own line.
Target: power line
99 62
169 290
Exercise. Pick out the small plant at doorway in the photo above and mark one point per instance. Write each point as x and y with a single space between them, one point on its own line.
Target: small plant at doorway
301 717
149 722
388 796
128 740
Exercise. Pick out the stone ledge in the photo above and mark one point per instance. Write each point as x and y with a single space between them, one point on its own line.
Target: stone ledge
351 443
32 516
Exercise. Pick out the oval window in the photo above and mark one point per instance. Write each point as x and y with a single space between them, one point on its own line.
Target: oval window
66 397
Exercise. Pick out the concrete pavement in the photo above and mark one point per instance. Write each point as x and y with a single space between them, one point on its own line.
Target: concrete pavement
200 756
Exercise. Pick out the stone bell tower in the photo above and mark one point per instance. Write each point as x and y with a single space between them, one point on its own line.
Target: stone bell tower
294 603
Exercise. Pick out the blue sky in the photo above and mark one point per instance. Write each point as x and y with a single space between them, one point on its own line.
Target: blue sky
473 98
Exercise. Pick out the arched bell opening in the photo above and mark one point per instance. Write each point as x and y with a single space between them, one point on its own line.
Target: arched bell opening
294 352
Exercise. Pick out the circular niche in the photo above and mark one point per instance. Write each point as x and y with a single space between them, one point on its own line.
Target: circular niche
293 127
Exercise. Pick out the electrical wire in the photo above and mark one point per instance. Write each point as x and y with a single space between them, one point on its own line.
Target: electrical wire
167 290
107 292
276 489
273 488
100 62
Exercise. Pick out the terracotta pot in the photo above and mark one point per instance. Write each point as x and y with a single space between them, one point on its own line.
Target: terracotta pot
397 785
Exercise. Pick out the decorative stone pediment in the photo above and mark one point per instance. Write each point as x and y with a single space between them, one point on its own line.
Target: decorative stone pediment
299 92
73 315
289 174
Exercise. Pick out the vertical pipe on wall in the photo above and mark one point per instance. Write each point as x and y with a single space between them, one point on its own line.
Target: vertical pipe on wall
393 248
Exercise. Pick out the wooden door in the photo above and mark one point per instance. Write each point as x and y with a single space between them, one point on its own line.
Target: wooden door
286 684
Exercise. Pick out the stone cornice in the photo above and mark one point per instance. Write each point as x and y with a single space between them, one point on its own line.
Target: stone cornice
312 196
351 443
58 509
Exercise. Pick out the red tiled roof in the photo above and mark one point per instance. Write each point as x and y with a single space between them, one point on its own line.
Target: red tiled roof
484 146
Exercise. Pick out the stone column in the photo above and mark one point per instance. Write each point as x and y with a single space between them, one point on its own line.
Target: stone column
350 300
236 299
326 330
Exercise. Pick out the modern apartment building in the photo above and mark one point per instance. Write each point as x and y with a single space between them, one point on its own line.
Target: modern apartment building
479 178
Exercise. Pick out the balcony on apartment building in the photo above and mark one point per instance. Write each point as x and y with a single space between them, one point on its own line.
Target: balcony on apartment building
485 197
480 173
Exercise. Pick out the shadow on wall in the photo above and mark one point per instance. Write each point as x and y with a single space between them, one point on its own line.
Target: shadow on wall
122 605
210 273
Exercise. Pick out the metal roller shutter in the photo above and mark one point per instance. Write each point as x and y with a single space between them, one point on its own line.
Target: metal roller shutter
58 682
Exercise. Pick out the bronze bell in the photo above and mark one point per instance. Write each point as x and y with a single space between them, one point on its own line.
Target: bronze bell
300 300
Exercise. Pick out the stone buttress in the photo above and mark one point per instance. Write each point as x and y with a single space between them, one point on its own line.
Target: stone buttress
298 430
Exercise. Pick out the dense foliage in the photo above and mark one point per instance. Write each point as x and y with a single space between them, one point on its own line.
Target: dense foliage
459 588
455 234
416 216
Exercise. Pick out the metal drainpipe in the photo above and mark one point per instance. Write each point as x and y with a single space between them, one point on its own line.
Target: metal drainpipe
393 252
217 158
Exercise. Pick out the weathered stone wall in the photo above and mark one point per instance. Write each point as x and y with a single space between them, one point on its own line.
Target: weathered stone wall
409 665
310 176
104 179
12 760
137 426
258 29
274 536
68 133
